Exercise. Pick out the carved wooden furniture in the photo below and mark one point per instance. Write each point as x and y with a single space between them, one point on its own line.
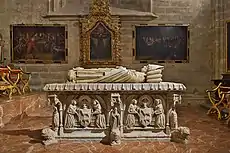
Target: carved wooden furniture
219 98
5 86
24 80
83 111
100 36
14 78
19 79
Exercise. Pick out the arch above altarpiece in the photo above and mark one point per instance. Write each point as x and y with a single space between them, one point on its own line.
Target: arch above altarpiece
100 36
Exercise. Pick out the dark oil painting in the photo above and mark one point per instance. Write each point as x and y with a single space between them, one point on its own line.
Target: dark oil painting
100 43
38 43
228 45
162 43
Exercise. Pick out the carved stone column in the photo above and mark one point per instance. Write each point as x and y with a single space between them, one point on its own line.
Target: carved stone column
61 119
50 6
167 127
107 117
122 115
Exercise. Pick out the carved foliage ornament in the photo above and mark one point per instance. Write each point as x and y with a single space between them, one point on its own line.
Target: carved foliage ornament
100 14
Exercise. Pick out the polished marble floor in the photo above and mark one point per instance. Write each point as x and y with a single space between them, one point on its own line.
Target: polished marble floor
22 135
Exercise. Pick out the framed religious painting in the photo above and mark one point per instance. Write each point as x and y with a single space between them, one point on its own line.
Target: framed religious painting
161 43
100 43
100 37
39 43
228 46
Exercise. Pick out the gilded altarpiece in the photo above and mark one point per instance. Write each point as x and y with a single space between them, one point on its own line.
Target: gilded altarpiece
100 36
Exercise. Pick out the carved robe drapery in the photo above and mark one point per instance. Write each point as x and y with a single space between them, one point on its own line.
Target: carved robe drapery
131 119
56 118
160 116
70 116
100 118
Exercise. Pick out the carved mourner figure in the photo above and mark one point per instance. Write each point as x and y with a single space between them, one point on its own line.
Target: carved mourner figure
132 112
70 115
85 116
115 123
159 112
56 115
173 118
145 115
100 118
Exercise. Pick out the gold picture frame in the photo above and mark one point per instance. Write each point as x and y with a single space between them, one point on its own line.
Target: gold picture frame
57 52
100 13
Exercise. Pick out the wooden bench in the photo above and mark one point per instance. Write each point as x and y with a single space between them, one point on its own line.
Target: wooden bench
219 97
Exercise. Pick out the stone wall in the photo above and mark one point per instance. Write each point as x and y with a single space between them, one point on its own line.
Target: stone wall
196 74
32 12
226 16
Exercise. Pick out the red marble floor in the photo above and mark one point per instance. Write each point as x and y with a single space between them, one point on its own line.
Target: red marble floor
22 135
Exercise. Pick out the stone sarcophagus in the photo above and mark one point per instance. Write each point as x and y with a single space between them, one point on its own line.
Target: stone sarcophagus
112 112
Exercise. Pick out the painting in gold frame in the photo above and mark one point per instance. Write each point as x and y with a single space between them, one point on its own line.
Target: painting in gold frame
38 43
99 24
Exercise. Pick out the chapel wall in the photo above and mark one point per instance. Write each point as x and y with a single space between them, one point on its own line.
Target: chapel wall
196 74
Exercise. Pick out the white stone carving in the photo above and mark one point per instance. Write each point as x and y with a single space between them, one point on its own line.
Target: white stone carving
163 86
132 114
145 115
149 73
71 114
116 111
56 115
100 121
160 115
48 136
180 135
57 119
85 116
173 121
118 74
